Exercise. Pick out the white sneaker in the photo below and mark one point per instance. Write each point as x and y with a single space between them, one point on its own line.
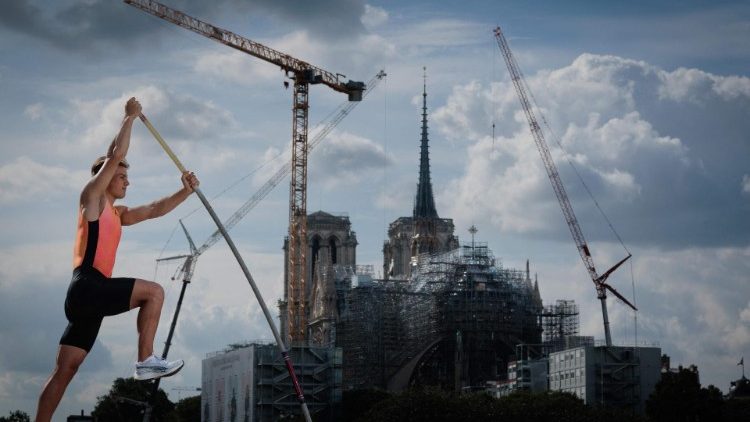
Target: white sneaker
155 367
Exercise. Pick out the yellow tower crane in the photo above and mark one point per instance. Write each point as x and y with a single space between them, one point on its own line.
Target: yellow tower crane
303 74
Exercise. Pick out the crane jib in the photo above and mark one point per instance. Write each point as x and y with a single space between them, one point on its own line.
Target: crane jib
288 63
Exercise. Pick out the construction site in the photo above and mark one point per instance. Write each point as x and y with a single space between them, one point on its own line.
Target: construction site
444 314
441 313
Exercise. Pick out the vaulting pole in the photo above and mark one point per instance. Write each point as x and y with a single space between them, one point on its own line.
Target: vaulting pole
269 318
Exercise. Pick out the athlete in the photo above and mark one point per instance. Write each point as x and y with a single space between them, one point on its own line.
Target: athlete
93 293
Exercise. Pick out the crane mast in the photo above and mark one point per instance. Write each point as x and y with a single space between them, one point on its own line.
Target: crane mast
303 74
557 185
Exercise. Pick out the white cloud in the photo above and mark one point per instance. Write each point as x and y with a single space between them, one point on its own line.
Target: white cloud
22 263
440 33
34 111
745 183
696 298
745 314
235 67
694 85
621 182
104 116
456 119
374 16
346 159
25 179
354 56
358 55
176 115
731 87
616 127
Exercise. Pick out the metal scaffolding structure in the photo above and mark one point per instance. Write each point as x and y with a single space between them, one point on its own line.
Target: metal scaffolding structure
248 381
454 324
559 321
370 329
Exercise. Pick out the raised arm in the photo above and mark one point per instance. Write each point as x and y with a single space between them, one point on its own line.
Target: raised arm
95 188
130 216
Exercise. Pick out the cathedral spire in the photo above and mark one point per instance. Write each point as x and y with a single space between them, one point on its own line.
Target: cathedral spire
424 206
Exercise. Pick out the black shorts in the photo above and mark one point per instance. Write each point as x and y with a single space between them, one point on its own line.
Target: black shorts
92 296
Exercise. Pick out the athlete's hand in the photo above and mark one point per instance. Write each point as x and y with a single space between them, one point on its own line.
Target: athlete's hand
132 108
190 181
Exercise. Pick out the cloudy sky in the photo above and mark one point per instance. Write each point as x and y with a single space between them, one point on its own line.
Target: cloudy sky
650 102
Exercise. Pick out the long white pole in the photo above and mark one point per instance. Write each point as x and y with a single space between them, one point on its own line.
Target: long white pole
269 317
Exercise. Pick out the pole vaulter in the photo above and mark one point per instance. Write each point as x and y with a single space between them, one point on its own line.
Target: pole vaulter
258 296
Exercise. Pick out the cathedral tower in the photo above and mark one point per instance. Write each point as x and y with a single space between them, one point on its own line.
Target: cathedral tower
424 231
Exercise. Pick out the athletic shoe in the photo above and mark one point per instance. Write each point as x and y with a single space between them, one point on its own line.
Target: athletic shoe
155 367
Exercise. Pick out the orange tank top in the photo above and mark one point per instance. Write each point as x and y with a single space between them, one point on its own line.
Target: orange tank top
97 241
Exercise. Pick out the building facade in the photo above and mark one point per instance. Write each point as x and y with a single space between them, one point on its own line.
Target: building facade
330 242
250 382
607 376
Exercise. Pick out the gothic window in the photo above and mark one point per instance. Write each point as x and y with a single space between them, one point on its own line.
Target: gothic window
332 246
315 249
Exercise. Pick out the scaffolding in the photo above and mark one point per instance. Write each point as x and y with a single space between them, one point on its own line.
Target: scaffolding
249 381
319 372
370 330
454 324
559 323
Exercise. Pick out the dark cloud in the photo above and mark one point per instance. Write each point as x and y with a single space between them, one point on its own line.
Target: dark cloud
78 27
346 159
86 25
326 18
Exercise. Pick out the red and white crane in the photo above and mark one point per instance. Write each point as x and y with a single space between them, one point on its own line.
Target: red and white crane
600 281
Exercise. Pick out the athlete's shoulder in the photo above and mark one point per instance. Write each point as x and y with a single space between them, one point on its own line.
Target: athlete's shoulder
120 210
91 206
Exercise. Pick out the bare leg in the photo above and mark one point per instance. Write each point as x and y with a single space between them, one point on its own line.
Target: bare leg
69 358
149 298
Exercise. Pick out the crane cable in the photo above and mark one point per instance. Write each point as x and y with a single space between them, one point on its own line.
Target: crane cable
570 162
558 141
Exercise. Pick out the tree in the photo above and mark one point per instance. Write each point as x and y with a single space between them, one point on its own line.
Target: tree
420 405
16 416
435 406
188 409
552 405
355 403
737 410
678 396
121 403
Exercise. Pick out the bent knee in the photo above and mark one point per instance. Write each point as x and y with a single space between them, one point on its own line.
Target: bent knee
68 366
157 292
147 291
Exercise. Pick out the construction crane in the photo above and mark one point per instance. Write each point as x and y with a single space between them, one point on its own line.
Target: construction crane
191 260
562 197
284 171
303 74
188 267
